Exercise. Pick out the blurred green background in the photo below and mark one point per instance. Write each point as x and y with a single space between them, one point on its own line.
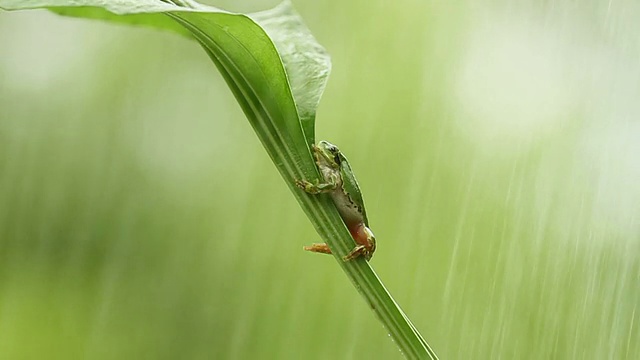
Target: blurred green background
497 144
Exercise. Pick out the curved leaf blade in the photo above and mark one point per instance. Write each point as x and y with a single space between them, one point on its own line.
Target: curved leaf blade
308 65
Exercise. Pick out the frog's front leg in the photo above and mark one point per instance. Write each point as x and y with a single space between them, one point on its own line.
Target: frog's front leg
316 188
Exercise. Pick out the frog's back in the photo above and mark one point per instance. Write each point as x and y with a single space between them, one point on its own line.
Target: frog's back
352 188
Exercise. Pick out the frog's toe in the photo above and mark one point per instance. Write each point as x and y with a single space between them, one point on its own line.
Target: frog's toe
358 251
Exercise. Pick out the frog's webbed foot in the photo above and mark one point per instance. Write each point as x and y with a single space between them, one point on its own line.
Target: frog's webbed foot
308 187
319 248
315 188
357 251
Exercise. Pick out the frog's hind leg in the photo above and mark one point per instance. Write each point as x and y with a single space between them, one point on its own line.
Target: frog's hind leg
366 243
318 248
357 251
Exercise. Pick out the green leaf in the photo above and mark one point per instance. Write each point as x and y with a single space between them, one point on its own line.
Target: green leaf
277 72
307 63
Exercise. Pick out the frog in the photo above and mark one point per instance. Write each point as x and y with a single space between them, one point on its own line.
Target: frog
339 182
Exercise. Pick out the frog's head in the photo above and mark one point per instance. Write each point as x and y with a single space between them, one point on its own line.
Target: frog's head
327 154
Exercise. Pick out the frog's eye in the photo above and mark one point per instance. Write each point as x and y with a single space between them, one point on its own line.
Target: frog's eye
337 159
333 149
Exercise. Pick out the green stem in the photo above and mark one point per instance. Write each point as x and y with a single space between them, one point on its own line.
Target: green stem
366 281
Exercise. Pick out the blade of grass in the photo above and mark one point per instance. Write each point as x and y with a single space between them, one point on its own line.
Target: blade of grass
277 72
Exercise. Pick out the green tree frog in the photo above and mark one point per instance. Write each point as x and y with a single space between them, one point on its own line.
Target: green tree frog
340 183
